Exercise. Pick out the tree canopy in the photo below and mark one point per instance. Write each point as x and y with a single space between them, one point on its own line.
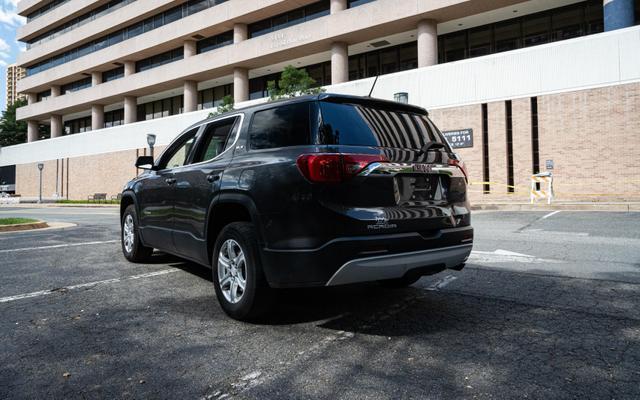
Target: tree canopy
293 82
12 131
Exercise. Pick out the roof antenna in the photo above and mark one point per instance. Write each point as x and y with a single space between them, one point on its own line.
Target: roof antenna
374 85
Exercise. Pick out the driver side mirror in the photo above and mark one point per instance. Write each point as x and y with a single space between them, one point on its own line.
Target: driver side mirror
145 162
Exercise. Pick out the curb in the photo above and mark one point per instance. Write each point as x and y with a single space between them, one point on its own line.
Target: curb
23 227
619 207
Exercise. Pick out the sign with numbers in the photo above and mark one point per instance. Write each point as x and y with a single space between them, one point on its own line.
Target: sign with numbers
459 139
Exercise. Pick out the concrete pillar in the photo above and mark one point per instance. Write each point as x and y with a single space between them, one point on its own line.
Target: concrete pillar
32 98
339 63
96 78
97 117
190 96
55 91
240 84
240 33
56 125
129 68
618 14
190 48
32 131
427 43
338 5
130 109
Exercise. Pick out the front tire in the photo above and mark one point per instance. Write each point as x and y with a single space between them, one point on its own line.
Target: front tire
132 247
241 288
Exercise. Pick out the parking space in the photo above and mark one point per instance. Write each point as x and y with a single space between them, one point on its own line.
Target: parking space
548 307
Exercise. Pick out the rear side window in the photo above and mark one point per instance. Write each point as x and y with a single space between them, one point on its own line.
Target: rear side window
359 125
280 127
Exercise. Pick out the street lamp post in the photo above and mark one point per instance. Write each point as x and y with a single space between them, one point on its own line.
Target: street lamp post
40 168
151 140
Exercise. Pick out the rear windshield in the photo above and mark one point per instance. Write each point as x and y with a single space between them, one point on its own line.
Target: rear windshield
359 125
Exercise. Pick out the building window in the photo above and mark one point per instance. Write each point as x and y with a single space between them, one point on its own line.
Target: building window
160 108
44 95
75 86
356 3
113 74
114 118
294 17
45 9
79 125
212 97
160 59
214 42
136 29
583 18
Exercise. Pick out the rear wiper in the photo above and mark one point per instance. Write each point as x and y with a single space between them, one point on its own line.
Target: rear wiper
430 146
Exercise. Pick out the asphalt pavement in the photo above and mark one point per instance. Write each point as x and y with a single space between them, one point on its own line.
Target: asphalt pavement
547 307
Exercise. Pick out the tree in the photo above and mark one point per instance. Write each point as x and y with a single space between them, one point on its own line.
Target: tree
293 82
226 106
12 131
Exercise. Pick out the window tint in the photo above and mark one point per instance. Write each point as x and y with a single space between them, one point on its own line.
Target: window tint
216 138
178 156
280 127
358 125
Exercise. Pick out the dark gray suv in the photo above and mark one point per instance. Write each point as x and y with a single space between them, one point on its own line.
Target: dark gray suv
314 191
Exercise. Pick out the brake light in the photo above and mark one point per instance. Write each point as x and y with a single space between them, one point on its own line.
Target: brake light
334 167
460 164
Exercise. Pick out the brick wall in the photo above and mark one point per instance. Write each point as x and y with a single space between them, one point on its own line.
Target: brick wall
592 136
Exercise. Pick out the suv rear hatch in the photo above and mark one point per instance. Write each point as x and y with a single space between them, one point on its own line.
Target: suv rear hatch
386 168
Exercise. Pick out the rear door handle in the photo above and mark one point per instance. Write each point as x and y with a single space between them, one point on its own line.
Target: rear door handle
170 181
213 178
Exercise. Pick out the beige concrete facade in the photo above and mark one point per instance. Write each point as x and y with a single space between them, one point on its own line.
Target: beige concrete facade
349 26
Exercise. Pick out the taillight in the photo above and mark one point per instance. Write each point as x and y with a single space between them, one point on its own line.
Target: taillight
460 164
334 168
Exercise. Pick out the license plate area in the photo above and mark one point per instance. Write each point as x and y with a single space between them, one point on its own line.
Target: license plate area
417 188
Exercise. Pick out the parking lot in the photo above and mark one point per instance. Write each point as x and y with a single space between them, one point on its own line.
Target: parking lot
547 307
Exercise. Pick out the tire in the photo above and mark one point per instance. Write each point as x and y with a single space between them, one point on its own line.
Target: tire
229 273
132 247
403 282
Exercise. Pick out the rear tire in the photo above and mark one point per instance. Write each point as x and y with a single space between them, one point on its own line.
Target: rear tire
403 282
132 247
238 278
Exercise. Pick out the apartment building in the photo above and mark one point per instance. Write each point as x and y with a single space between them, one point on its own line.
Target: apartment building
14 74
534 82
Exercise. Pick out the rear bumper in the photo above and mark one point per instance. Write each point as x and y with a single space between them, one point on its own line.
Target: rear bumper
368 258
398 265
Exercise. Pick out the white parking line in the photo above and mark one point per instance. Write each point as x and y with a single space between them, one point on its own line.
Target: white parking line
551 214
440 284
57 246
83 285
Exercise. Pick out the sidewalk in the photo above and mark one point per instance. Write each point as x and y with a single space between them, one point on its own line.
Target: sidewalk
56 205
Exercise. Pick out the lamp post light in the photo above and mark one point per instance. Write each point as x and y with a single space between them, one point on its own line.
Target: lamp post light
40 168
151 140
401 97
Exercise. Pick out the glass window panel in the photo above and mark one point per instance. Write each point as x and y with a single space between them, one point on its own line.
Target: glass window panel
280 126
166 107
455 47
215 140
135 30
295 17
178 157
408 56
316 10
177 105
279 22
536 30
567 23
480 42
157 109
372 65
355 72
389 61
148 109
507 36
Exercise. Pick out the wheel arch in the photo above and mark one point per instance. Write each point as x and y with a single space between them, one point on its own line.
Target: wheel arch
227 208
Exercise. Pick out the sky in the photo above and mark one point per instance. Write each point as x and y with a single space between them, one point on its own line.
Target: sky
9 47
